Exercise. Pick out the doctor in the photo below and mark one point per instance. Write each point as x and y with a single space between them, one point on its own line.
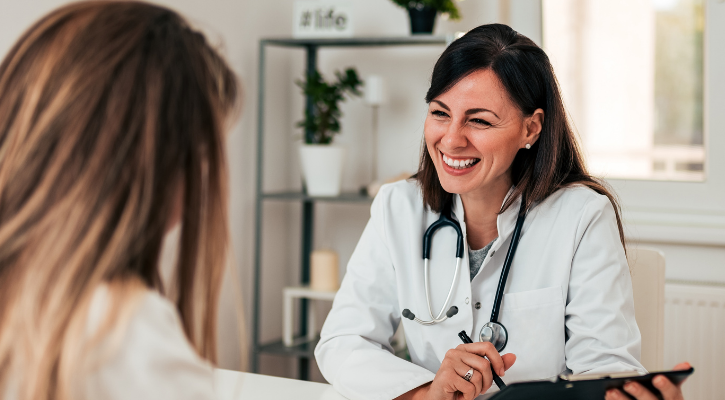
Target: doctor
496 132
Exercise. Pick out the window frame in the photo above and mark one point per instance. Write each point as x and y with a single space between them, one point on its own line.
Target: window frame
686 212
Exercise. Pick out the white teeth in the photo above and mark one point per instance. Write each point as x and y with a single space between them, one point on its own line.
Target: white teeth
459 164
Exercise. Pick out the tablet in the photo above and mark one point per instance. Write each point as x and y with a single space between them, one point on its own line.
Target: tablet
583 387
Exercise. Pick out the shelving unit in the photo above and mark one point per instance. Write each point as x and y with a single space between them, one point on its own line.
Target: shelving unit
304 351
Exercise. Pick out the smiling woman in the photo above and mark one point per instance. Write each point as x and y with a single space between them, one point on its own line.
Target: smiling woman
473 142
501 163
508 94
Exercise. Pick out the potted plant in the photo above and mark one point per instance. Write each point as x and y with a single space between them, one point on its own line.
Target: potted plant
322 161
423 13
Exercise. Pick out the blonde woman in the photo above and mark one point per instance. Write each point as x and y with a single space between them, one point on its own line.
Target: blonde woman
111 132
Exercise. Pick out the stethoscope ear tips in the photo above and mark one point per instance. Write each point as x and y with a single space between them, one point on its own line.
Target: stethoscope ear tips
451 311
410 315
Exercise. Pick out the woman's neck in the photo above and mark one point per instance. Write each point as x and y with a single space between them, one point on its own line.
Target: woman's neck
481 213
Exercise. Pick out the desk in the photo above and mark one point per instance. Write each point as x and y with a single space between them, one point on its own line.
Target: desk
233 385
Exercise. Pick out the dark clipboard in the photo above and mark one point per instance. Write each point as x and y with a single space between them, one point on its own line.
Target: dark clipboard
582 387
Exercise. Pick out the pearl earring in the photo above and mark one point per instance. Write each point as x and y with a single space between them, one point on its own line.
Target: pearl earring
528 146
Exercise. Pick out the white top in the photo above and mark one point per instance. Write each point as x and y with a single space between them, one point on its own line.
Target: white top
152 360
155 359
567 304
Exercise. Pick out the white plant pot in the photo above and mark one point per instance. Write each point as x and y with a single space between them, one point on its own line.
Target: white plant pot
322 169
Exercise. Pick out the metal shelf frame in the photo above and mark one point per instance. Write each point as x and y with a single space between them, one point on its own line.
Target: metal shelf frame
303 351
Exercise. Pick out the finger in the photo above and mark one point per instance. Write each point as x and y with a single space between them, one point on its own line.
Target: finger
614 394
486 378
669 390
480 364
451 383
638 391
478 381
682 366
467 389
462 368
508 360
463 390
471 360
486 349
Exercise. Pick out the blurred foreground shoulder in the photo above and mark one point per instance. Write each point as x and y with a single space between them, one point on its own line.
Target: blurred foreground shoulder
153 359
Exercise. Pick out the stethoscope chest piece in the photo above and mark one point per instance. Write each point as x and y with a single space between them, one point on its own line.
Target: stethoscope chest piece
494 333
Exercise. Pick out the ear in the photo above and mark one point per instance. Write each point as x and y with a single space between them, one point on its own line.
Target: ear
532 127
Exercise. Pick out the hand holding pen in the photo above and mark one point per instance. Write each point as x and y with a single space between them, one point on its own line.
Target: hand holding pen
466 339
475 361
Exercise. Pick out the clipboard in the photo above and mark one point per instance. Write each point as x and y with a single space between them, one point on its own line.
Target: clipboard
583 387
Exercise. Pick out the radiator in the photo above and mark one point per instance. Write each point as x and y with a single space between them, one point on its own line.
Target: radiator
695 332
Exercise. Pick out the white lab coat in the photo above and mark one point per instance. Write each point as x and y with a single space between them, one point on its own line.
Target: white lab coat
567 304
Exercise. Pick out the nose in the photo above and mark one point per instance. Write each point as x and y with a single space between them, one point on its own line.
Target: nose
454 137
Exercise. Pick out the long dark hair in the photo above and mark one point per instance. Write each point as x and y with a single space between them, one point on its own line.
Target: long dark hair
555 160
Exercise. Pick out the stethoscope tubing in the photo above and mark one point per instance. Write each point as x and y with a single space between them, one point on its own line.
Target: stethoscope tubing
426 266
446 220
507 262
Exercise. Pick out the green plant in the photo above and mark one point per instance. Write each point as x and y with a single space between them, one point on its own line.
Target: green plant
323 121
443 6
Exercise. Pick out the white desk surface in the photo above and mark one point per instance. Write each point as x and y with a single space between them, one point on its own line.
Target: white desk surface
233 385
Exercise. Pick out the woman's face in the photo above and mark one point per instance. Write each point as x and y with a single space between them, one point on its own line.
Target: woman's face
473 132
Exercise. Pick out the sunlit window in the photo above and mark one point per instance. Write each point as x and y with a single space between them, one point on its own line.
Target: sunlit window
632 76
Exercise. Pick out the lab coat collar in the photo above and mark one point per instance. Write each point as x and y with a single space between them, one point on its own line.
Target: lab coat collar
504 223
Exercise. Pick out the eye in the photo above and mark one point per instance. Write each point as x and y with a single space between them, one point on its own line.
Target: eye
479 121
439 113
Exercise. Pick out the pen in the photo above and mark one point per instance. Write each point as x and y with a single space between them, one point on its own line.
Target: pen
464 337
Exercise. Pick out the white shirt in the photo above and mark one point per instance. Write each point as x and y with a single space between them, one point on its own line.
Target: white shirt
567 304
154 360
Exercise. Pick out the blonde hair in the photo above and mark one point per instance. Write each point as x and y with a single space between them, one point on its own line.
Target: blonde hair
108 111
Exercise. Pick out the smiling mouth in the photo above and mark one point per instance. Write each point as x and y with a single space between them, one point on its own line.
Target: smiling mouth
460 163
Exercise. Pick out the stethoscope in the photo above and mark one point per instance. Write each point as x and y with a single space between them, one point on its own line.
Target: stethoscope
493 331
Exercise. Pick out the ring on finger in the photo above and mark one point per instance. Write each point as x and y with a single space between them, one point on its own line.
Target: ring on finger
468 375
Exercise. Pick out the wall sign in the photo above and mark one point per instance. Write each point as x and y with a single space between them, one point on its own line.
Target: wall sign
322 19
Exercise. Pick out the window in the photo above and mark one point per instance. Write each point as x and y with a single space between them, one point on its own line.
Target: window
631 73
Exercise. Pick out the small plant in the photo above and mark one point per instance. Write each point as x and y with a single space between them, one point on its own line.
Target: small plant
442 6
324 121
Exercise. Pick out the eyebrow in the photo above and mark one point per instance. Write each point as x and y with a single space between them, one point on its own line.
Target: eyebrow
468 112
